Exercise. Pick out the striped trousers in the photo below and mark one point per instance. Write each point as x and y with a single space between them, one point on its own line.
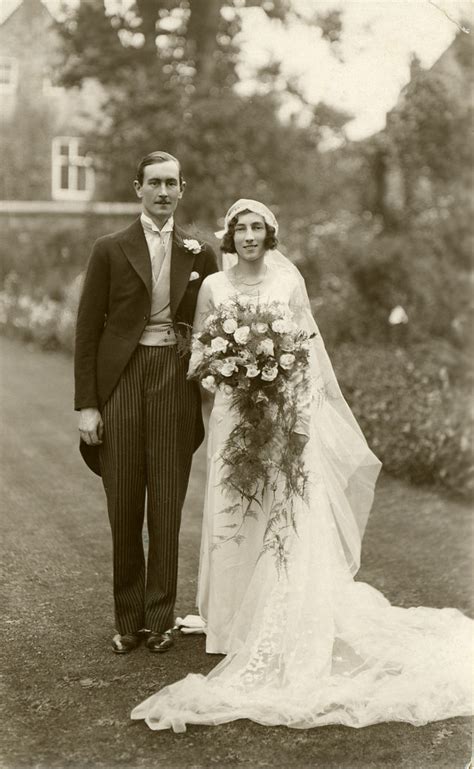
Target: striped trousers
149 427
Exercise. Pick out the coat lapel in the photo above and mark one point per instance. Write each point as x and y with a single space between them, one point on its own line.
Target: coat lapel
135 248
182 260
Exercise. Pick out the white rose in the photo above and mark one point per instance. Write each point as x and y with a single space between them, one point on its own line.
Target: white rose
192 245
287 344
252 371
229 326
242 334
216 366
269 374
219 344
209 383
228 368
283 326
265 347
227 390
260 327
287 360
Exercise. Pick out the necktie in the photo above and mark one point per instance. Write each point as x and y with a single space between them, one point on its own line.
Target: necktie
158 252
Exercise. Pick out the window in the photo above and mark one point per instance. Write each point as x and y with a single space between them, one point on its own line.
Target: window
8 74
73 175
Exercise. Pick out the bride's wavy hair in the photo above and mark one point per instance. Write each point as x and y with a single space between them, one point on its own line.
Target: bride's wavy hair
228 244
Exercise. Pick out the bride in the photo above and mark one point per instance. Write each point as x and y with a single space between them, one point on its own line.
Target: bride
306 644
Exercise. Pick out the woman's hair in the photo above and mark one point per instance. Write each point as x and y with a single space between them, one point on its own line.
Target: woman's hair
157 157
228 244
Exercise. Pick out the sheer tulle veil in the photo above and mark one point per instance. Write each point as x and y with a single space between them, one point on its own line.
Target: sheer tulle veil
346 461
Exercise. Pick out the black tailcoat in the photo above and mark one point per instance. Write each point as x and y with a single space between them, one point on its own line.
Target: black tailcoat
115 307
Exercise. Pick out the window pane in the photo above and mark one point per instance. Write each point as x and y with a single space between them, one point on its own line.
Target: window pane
6 72
64 149
81 178
64 178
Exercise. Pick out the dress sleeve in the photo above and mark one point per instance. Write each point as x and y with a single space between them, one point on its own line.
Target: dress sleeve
302 379
204 306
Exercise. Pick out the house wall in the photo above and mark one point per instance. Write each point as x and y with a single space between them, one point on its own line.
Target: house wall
35 111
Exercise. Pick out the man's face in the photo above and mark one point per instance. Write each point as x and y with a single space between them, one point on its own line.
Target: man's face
160 191
249 237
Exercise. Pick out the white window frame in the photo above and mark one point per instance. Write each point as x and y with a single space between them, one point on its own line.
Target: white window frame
74 161
11 86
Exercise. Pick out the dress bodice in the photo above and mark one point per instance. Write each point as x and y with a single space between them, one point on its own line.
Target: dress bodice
271 289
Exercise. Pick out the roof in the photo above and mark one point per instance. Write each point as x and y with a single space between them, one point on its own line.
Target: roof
9 7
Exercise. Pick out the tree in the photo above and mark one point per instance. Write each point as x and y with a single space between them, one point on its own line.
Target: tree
168 69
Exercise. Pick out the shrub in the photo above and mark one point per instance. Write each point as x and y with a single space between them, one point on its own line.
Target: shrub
414 408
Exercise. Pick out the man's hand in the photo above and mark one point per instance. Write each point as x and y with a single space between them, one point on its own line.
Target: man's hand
91 426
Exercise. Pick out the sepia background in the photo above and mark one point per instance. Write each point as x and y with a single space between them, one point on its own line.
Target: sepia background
353 122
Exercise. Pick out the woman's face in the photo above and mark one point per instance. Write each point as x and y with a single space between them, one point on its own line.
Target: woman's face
249 237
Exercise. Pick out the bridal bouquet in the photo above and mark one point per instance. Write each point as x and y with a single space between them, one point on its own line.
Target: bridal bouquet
251 348
256 355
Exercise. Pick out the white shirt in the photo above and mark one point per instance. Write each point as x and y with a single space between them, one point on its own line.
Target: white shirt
159 331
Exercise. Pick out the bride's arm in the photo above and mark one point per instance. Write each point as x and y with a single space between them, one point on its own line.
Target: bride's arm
299 305
204 306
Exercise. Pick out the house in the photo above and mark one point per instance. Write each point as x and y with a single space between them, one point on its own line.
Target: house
453 70
49 199
38 115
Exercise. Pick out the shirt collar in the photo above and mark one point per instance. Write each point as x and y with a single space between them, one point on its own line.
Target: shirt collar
149 224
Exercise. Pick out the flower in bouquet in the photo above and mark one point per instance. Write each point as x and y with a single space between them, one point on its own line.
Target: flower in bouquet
287 360
269 373
287 343
265 347
209 383
219 344
252 370
228 368
229 325
241 335
283 326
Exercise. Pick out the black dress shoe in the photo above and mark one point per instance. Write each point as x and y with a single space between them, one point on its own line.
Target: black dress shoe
124 644
159 642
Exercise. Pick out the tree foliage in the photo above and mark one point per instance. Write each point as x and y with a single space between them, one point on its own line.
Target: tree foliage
169 69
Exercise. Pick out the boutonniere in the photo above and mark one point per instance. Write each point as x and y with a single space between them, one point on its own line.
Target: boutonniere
192 245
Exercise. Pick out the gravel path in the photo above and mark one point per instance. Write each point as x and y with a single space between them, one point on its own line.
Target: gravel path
68 697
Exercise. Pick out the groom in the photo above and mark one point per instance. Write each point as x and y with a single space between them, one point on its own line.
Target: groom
140 419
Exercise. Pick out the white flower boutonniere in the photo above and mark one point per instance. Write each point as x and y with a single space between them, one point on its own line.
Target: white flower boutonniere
192 245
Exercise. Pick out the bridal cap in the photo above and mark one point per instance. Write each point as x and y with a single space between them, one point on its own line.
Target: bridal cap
247 204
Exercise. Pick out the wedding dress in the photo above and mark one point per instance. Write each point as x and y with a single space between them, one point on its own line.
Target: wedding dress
309 645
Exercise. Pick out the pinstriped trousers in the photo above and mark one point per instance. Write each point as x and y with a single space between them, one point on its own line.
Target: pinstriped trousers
149 427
